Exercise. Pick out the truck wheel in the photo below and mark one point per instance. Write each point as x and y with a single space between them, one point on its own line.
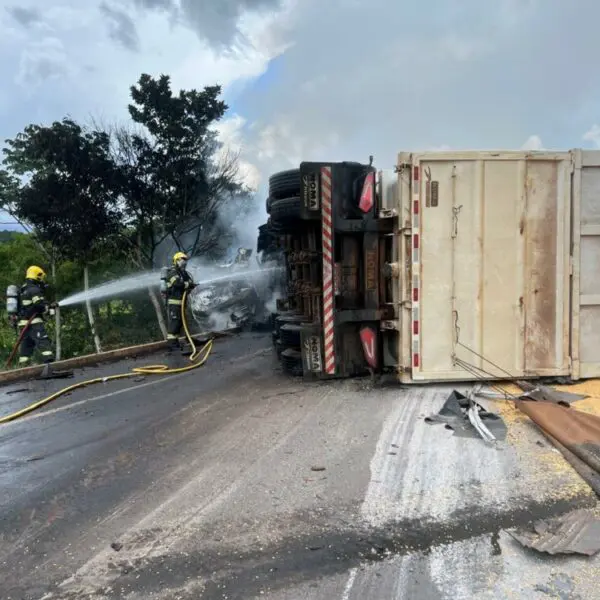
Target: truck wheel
264 239
291 361
284 184
285 209
284 319
289 334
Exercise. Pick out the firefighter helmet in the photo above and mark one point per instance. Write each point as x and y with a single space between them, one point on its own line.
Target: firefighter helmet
179 256
35 273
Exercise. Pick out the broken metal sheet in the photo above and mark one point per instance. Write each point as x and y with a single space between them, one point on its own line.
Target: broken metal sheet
543 393
577 532
491 395
455 415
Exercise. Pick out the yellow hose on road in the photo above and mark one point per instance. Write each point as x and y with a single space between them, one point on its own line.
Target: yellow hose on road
197 358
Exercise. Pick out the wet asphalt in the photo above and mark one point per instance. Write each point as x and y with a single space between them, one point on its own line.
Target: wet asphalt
237 482
64 467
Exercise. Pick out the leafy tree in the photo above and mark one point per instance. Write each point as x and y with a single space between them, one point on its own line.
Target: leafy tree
71 189
120 322
175 187
108 200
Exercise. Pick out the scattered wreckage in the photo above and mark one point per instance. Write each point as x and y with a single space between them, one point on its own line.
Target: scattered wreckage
575 434
229 300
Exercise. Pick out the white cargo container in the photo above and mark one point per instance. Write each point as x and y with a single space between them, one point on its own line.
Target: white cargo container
498 255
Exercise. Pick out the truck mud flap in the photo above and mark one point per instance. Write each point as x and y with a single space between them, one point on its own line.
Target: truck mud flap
312 352
310 191
350 360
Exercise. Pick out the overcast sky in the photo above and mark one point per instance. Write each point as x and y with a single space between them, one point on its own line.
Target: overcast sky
319 80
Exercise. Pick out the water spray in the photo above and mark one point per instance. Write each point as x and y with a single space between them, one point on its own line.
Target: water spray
152 279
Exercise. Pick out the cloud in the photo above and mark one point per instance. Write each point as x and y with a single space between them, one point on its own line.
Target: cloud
41 61
467 75
215 21
121 27
156 4
349 80
24 16
231 135
593 135
71 58
533 142
218 22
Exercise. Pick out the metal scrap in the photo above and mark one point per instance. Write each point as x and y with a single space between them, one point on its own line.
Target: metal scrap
475 420
577 532
467 418
543 393
537 392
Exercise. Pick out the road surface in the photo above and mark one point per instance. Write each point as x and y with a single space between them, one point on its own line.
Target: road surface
236 482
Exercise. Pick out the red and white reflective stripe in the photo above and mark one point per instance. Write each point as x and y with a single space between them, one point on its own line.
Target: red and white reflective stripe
416 267
327 237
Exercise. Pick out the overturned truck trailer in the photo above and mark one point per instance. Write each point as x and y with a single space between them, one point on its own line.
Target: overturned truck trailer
453 266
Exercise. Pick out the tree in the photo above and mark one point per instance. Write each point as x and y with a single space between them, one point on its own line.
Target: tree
175 186
71 190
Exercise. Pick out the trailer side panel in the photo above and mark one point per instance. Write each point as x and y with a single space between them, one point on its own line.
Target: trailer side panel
491 259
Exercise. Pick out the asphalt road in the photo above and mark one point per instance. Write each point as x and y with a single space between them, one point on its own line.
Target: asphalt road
236 482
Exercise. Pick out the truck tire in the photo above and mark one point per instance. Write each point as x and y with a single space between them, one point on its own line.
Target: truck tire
282 320
284 184
286 209
291 362
264 238
289 334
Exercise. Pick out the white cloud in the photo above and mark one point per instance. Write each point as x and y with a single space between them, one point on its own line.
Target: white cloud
350 82
533 142
230 133
68 55
440 73
593 135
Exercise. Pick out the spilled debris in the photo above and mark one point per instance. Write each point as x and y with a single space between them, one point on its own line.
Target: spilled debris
468 418
577 532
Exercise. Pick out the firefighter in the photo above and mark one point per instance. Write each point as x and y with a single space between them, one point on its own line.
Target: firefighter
178 282
34 305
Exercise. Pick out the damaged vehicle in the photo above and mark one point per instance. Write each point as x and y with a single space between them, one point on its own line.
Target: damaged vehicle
450 266
229 300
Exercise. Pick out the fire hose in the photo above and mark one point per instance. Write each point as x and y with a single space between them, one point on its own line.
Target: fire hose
197 358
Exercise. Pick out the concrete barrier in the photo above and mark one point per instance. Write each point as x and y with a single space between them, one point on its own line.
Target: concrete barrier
103 357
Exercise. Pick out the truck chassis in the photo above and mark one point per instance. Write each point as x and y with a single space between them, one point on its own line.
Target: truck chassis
336 317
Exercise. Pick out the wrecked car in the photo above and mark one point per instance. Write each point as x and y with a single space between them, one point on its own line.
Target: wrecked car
229 300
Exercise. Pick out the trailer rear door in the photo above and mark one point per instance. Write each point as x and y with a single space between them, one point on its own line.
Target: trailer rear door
586 264
489 264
